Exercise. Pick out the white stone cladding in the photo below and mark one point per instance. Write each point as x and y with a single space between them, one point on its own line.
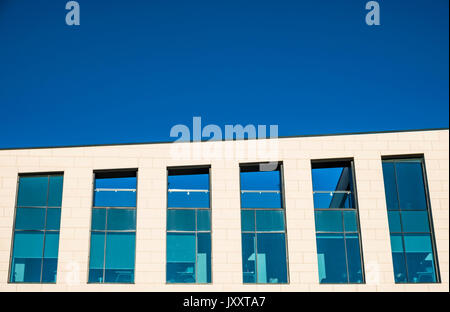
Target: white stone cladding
296 153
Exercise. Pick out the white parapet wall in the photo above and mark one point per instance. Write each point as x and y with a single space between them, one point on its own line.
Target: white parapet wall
224 157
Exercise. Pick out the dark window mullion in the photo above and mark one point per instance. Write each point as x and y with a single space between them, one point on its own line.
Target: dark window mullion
410 233
112 231
265 232
113 207
32 230
42 207
187 208
264 209
335 209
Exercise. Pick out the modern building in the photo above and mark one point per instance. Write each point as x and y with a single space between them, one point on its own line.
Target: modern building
350 212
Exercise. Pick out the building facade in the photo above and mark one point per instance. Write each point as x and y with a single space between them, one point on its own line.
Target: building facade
354 212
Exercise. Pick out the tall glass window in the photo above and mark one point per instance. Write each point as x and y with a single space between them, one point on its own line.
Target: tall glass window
412 241
188 226
36 229
264 251
337 223
113 227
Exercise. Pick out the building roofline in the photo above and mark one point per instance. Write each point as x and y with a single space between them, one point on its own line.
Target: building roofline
280 137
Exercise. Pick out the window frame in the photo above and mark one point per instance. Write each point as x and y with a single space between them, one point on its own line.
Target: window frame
280 168
330 163
106 231
190 170
35 174
421 157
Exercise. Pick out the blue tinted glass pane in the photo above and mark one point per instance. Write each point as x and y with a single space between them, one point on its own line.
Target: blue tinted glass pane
333 200
53 218
49 269
260 180
415 221
26 270
248 258
394 221
98 219
269 220
390 186
180 247
121 219
261 200
184 199
120 249
30 218
332 179
180 258
32 191
248 220
350 221
331 258
417 243
28 244
51 245
204 258
96 257
180 272
203 220
181 220
27 257
271 258
410 185
328 221
119 261
354 258
398 258
397 243
119 276
114 199
419 258
95 275
50 257
55 191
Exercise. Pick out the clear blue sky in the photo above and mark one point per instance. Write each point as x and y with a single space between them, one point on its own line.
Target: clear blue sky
135 68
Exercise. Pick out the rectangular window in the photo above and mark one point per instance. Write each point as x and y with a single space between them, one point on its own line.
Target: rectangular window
263 225
36 229
188 225
338 235
412 240
113 227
